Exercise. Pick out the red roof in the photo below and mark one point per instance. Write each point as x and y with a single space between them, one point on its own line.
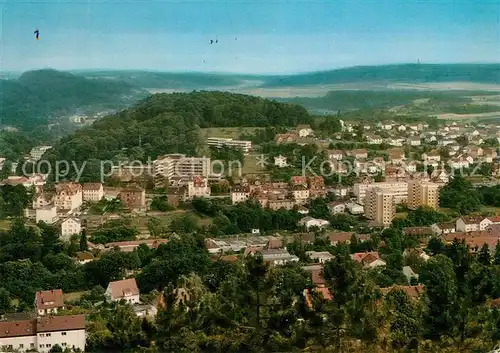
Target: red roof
49 299
123 288
60 323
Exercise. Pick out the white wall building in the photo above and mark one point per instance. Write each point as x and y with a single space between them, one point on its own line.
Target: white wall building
93 192
69 227
47 214
198 187
123 290
36 153
217 142
68 196
399 189
42 334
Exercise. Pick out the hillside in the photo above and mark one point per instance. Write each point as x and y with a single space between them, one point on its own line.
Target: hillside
404 73
169 123
36 95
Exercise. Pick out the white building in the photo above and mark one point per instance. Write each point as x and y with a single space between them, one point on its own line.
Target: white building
93 192
42 334
68 196
304 130
123 290
309 222
218 142
320 256
69 227
469 224
354 208
240 194
198 187
47 214
399 189
36 153
336 207
172 166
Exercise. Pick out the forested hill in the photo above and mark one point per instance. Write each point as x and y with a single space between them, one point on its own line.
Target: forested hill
404 73
170 123
36 95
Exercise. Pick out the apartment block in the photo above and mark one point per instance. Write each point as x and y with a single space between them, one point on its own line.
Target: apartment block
423 193
166 167
218 142
380 205
399 189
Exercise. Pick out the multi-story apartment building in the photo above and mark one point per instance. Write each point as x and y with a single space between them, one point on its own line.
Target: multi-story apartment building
42 334
380 206
399 189
198 187
240 194
68 196
178 165
219 142
133 197
422 193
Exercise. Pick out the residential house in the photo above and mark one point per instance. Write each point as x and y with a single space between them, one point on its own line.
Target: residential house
444 228
288 137
414 141
409 274
131 245
68 196
240 194
396 156
309 222
176 195
42 334
69 227
336 207
42 200
300 194
368 259
304 130
123 290
336 237
432 156
133 197
354 208
47 214
320 256
373 139
469 223
93 192
359 153
298 180
49 302
335 154
413 292
198 187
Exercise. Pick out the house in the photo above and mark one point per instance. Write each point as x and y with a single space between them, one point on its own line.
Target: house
280 161
298 180
240 194
49 302
304 130
413 292
288 137
359 153
47 214
309 222
340 237
133 197
93 192
432 156
68 196
42 200
300 194
176 195
320 256
69 227
409 273
131 245
41 334
335 154
277 257
413 141
444 228
354 208
396 156
84 257
469 223
418 231
198 187
336 207
340 191
123 290
373 139
368 259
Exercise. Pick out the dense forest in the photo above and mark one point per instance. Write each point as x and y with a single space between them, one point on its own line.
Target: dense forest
37 95
169 123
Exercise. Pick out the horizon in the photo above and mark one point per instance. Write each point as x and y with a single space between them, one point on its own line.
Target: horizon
258 38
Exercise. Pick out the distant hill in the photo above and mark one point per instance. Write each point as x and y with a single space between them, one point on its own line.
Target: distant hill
175 80
169 123
36 95
404 73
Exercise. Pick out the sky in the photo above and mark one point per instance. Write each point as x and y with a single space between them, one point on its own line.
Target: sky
285 36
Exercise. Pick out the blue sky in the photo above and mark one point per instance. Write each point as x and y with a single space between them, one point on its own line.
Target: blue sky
272 36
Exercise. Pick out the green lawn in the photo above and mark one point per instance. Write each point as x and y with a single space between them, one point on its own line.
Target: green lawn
4 224
228 132
252 165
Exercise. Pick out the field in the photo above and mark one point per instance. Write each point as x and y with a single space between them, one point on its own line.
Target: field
4 224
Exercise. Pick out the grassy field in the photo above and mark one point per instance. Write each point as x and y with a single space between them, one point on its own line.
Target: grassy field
141 223
69 297
4 224
252 164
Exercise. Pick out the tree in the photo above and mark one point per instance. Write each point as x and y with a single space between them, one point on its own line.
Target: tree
83 241
484 256
4 300
496 259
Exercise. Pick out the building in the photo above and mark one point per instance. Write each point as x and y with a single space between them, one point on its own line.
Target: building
380 206
36 153
93 192
444 228
304 130
277 257
469 223
49 302
422 193
320 256
309 222
133 197
240 194
300 194
42 334
47 214
68 197
354 208
368 259
198 187
131 245
336 207
178 165
399 189
218 142
123 290
69 227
